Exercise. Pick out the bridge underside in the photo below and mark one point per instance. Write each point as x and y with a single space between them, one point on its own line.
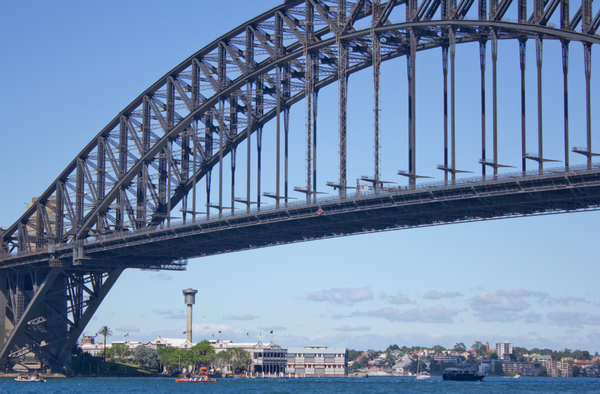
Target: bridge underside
50 299
391 209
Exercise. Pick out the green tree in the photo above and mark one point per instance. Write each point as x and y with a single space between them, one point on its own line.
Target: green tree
390 360
494 356
220 360
105 332
479 348
498 370
519 353
189 358
353 354
146 357
120 350
238 358
543 371
392 348
576 371
359 364
586 355
406 349
205 352
460 347
438 349
172 358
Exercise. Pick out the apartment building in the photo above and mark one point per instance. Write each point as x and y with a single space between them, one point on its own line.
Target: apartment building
317 361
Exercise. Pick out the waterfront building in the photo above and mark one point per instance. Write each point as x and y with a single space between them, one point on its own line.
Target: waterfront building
86 339
484 368
524 368
93 348
589 366
88 345
556 369
179 343
447 359
130 345
268 358
317 361
504 350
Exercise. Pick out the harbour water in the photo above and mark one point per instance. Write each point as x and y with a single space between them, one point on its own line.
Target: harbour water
301 386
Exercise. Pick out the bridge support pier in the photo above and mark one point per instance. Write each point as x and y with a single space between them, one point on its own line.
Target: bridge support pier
445 72
495 101
376 56
565 59
411 65
587 54
453 103
482 61
55 314
343 95
522 63
3 304
539 50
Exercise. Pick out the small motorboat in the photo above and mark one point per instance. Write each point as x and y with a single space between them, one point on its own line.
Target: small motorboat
195 380
30 379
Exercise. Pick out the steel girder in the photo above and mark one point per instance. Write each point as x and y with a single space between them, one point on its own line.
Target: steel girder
158 148
390 208
47 309
155 152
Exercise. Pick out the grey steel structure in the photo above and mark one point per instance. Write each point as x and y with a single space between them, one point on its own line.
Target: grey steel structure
111 208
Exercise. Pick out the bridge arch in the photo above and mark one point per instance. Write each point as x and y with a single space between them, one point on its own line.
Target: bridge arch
97 211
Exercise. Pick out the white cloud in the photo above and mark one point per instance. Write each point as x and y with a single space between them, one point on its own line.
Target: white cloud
273 328
502 307
436 295
567 300
162 276
573 319
245 317
398 299
170 313
437 314
520 293
533 317
128 328
341 296
350 329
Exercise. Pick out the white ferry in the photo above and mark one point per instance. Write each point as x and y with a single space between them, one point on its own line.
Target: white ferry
462 373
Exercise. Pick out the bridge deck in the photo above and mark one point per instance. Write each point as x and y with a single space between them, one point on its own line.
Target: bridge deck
429 204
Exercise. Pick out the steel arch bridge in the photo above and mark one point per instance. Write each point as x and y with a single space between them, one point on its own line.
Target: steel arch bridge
111 208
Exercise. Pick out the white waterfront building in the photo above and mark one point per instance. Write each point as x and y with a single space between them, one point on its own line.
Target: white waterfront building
317 361
504 350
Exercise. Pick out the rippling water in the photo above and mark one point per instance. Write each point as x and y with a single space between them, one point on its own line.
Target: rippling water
292 386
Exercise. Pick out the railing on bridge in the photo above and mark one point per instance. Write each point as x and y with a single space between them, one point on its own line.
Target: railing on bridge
360 194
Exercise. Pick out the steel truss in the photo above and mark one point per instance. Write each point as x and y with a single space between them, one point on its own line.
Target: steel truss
154 154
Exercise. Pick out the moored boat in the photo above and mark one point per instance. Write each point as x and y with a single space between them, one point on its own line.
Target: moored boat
462 373
30 379
421 375
195 380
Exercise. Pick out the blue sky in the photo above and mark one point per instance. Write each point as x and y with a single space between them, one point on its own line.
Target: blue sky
69 67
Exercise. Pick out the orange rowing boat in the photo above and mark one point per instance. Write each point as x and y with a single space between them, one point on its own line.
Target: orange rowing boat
195 380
